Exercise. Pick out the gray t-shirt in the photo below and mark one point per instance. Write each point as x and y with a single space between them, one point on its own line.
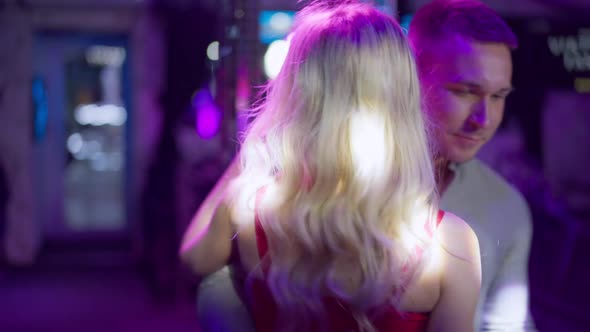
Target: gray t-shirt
501 219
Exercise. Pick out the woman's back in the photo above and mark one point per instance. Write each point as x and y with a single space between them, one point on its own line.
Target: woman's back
455 251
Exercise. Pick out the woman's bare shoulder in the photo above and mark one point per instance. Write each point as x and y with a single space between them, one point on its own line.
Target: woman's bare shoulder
457 237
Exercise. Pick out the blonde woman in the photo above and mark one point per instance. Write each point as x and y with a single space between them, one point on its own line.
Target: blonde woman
334 205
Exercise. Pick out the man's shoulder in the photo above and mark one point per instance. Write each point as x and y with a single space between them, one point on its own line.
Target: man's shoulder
494 189
477 173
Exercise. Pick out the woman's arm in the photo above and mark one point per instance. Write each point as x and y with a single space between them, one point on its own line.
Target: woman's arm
206 244
460 278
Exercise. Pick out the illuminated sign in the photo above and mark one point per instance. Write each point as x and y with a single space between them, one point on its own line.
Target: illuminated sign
573 49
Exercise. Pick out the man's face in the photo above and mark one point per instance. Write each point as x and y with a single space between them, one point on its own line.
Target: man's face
465 88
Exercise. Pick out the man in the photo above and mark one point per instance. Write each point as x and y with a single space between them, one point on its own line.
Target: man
463 55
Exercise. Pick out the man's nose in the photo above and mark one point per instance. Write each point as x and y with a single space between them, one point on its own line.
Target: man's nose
479 117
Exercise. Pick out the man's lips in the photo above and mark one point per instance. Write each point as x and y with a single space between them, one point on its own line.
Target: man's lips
470 138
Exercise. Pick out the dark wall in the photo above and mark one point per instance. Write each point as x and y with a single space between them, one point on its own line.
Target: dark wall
189 30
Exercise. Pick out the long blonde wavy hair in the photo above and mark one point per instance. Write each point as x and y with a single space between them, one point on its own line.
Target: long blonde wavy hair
340 140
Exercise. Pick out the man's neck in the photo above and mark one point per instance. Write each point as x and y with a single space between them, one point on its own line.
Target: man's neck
444 175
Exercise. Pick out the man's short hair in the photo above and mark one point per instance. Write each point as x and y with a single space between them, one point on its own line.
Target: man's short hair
470 19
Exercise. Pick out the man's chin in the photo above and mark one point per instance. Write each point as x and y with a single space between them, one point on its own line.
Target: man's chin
459 157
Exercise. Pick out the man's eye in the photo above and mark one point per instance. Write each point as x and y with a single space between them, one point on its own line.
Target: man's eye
461 92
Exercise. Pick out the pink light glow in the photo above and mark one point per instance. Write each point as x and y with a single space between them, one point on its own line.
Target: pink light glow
208 116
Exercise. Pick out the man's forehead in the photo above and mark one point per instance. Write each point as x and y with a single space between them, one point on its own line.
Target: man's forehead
471 62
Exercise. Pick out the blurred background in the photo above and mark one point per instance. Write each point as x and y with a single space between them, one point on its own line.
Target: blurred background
118 116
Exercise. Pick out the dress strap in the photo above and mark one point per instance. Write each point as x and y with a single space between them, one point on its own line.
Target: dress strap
429 228
439 217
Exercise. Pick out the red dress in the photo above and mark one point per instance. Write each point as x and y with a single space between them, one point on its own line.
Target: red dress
264 309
